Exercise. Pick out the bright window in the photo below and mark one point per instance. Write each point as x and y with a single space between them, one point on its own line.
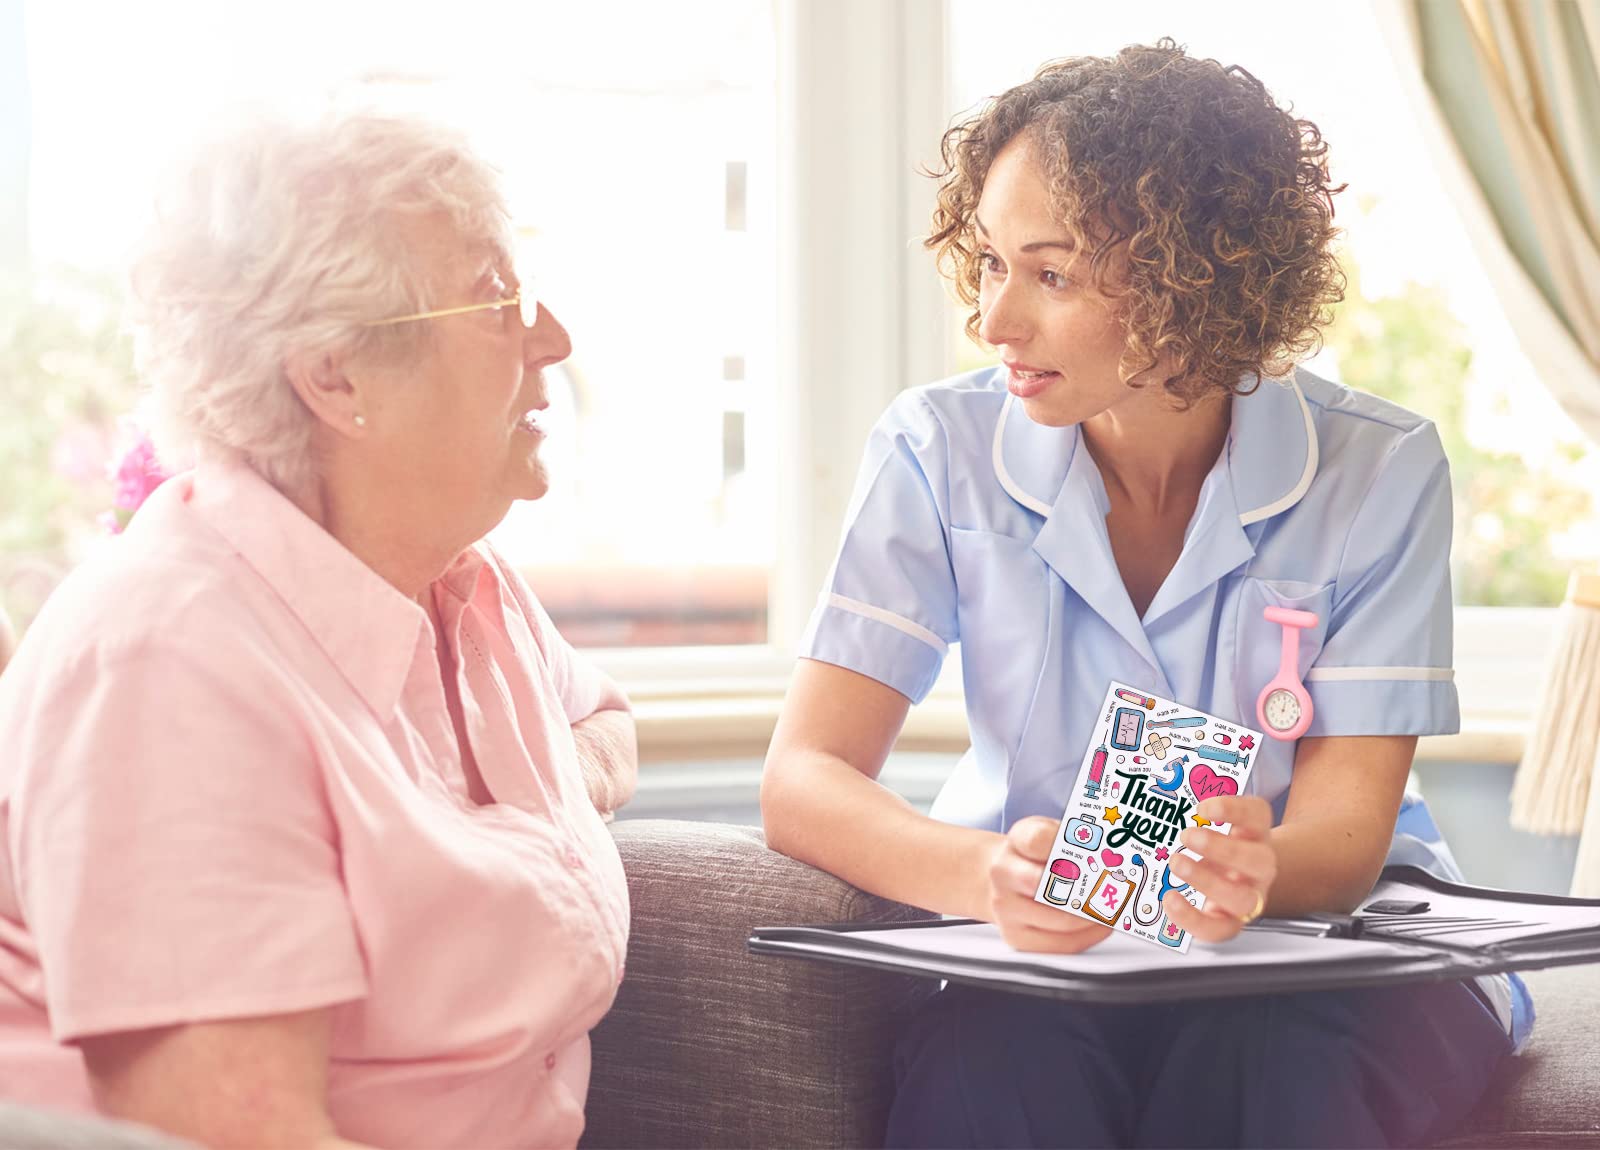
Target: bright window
640 167
1420 324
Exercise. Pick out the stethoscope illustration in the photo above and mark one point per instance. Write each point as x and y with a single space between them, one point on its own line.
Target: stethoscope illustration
1144 879
1284 705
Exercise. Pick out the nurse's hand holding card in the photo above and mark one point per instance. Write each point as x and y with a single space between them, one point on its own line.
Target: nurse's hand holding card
1145 846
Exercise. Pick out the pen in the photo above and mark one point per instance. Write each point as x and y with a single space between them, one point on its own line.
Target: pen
1317 926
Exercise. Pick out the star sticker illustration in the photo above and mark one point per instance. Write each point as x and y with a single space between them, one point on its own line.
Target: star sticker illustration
1200 822
1161 854
1247 743
1111 815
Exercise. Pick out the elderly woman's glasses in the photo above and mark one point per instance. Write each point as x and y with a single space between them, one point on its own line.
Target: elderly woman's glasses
526 303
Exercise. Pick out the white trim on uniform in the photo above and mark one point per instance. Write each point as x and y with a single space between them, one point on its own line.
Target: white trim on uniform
1373 674
1004 476
1248 517
888 618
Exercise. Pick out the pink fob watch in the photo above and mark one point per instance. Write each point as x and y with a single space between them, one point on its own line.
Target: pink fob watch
1284 707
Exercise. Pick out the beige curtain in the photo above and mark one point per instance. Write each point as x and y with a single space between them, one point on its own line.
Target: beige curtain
1509 92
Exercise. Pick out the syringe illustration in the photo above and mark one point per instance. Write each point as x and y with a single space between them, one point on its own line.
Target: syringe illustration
1097 770
1223 755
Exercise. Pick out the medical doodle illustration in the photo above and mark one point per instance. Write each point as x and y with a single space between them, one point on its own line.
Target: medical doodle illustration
1127 729
1176 780
1112 861
1097 770
1187 721
1147 913
1082 833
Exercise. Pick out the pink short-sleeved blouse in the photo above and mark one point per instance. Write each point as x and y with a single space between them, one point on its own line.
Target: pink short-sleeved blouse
230 786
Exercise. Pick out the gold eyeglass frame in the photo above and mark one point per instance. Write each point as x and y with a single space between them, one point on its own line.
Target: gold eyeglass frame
525 302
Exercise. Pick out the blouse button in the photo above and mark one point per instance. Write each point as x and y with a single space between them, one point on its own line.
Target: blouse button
549 1061
572 858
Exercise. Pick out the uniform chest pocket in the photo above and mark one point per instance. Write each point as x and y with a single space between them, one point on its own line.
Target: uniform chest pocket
1258 644
1002 586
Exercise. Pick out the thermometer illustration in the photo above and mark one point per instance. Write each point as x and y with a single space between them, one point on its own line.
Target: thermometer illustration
1136 699
1284 706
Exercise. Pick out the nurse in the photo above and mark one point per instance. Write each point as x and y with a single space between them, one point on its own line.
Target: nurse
1146 241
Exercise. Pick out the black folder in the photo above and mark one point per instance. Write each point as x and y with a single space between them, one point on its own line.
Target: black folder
1412 928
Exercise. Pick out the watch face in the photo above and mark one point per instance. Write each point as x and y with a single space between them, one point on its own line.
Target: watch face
1282 710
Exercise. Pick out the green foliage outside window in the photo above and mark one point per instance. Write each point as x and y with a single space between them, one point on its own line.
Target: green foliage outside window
1409 348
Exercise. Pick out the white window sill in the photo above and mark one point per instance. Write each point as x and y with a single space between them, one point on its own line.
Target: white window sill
712 703
672 730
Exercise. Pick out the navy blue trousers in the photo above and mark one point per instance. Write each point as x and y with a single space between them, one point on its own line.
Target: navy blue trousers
1392 1066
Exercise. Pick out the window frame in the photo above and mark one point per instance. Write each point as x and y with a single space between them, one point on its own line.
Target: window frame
847 343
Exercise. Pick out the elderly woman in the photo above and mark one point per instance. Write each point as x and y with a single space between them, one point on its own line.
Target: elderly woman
302 801
1146 241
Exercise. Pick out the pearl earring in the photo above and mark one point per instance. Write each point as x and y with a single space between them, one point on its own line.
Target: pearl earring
361 421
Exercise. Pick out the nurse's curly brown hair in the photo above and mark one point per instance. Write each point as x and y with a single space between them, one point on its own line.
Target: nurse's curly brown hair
1220 197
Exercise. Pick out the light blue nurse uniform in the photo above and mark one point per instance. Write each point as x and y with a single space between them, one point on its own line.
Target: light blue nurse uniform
973 525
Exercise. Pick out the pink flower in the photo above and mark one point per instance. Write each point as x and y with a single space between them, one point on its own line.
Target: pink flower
136 475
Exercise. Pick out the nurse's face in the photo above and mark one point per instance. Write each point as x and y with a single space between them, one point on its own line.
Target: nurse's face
1060 339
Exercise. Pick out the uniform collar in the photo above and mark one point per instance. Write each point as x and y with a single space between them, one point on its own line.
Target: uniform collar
367 628
1266 467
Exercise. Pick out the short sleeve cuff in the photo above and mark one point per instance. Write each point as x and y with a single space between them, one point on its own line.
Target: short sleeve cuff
895 651
276 955
1377 706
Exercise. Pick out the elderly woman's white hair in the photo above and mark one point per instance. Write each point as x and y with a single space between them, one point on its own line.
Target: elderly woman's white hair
283 239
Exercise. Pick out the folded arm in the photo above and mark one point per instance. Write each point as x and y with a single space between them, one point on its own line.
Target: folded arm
608 754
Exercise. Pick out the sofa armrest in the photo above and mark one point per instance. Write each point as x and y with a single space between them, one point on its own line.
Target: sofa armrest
708 1045
24 1128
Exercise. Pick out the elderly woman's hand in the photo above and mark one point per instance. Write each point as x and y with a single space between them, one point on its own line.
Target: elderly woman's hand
1235 872
608 754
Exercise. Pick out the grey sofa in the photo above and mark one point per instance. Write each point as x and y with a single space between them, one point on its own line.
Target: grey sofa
709 1046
